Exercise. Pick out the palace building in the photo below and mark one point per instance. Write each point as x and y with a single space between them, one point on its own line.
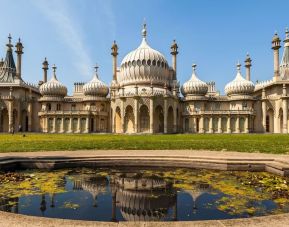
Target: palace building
144 97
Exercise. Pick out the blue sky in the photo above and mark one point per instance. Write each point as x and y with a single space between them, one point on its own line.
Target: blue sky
75 34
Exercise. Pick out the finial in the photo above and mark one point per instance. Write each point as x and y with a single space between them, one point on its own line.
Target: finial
144 30
194 67
238 66
19 40
54 70
96 67
287 33
9 38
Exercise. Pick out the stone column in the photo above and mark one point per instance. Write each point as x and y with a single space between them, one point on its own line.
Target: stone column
211 125
175 117
70 124
220 125
201 124
151 115
79 125
62 125
54 125
136 115
238 124
29 116
10 116
122 115
229 125
264 115
285 115
165 115
45 124
112 121
247 124
87 124
193 124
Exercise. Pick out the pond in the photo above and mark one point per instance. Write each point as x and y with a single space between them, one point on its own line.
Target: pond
143 194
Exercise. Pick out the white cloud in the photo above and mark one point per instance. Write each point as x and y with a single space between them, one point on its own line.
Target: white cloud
58 13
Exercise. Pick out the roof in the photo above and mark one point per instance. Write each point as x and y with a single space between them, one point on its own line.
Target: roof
8 70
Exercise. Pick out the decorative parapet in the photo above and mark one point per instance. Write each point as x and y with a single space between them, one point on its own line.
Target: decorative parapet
219 112
263 84
71 112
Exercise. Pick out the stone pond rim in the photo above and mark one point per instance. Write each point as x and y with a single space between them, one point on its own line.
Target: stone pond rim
277 164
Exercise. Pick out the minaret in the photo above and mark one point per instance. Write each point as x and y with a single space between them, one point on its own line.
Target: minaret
19 52
45 68
248 65
276 46
174 52
114 53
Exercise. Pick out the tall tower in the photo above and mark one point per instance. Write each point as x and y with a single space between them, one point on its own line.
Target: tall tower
45 68
248 64
114 53
19 52
174 52
276 46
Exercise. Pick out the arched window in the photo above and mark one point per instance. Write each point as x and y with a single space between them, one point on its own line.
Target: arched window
49 106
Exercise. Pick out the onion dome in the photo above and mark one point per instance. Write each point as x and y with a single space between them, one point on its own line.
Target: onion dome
194 86
144 65
53 87
95 87
239 86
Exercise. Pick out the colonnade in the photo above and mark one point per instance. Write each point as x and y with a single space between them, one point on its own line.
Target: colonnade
77 124
275 120
12 118
159 118
217 124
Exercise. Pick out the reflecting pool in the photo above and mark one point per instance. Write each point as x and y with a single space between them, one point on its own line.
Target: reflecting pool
142 194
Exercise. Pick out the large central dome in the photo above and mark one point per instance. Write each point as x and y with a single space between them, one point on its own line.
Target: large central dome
144 65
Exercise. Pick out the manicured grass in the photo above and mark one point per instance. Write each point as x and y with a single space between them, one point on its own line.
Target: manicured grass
267 143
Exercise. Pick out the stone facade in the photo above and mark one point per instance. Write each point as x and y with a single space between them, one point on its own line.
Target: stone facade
144 97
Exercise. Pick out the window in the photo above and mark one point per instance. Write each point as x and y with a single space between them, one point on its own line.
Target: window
149 62
143 62
58 107
49 106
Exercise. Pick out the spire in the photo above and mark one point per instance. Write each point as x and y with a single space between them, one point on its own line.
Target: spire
54 72
194 75
9 44
286 40
95 69
144 30
8 70
239 67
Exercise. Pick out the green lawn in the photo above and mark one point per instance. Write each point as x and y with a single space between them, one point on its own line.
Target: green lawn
267 143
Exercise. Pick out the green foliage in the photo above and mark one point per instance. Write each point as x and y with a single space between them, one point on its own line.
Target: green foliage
267 143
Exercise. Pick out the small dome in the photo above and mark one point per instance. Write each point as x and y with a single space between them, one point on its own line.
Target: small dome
194 86
53 87
275 38
144 65
95 87
239 86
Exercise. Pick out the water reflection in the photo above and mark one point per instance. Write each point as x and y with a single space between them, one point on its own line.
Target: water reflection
135 195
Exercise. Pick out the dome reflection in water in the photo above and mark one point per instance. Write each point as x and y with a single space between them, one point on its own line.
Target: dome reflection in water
130 194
